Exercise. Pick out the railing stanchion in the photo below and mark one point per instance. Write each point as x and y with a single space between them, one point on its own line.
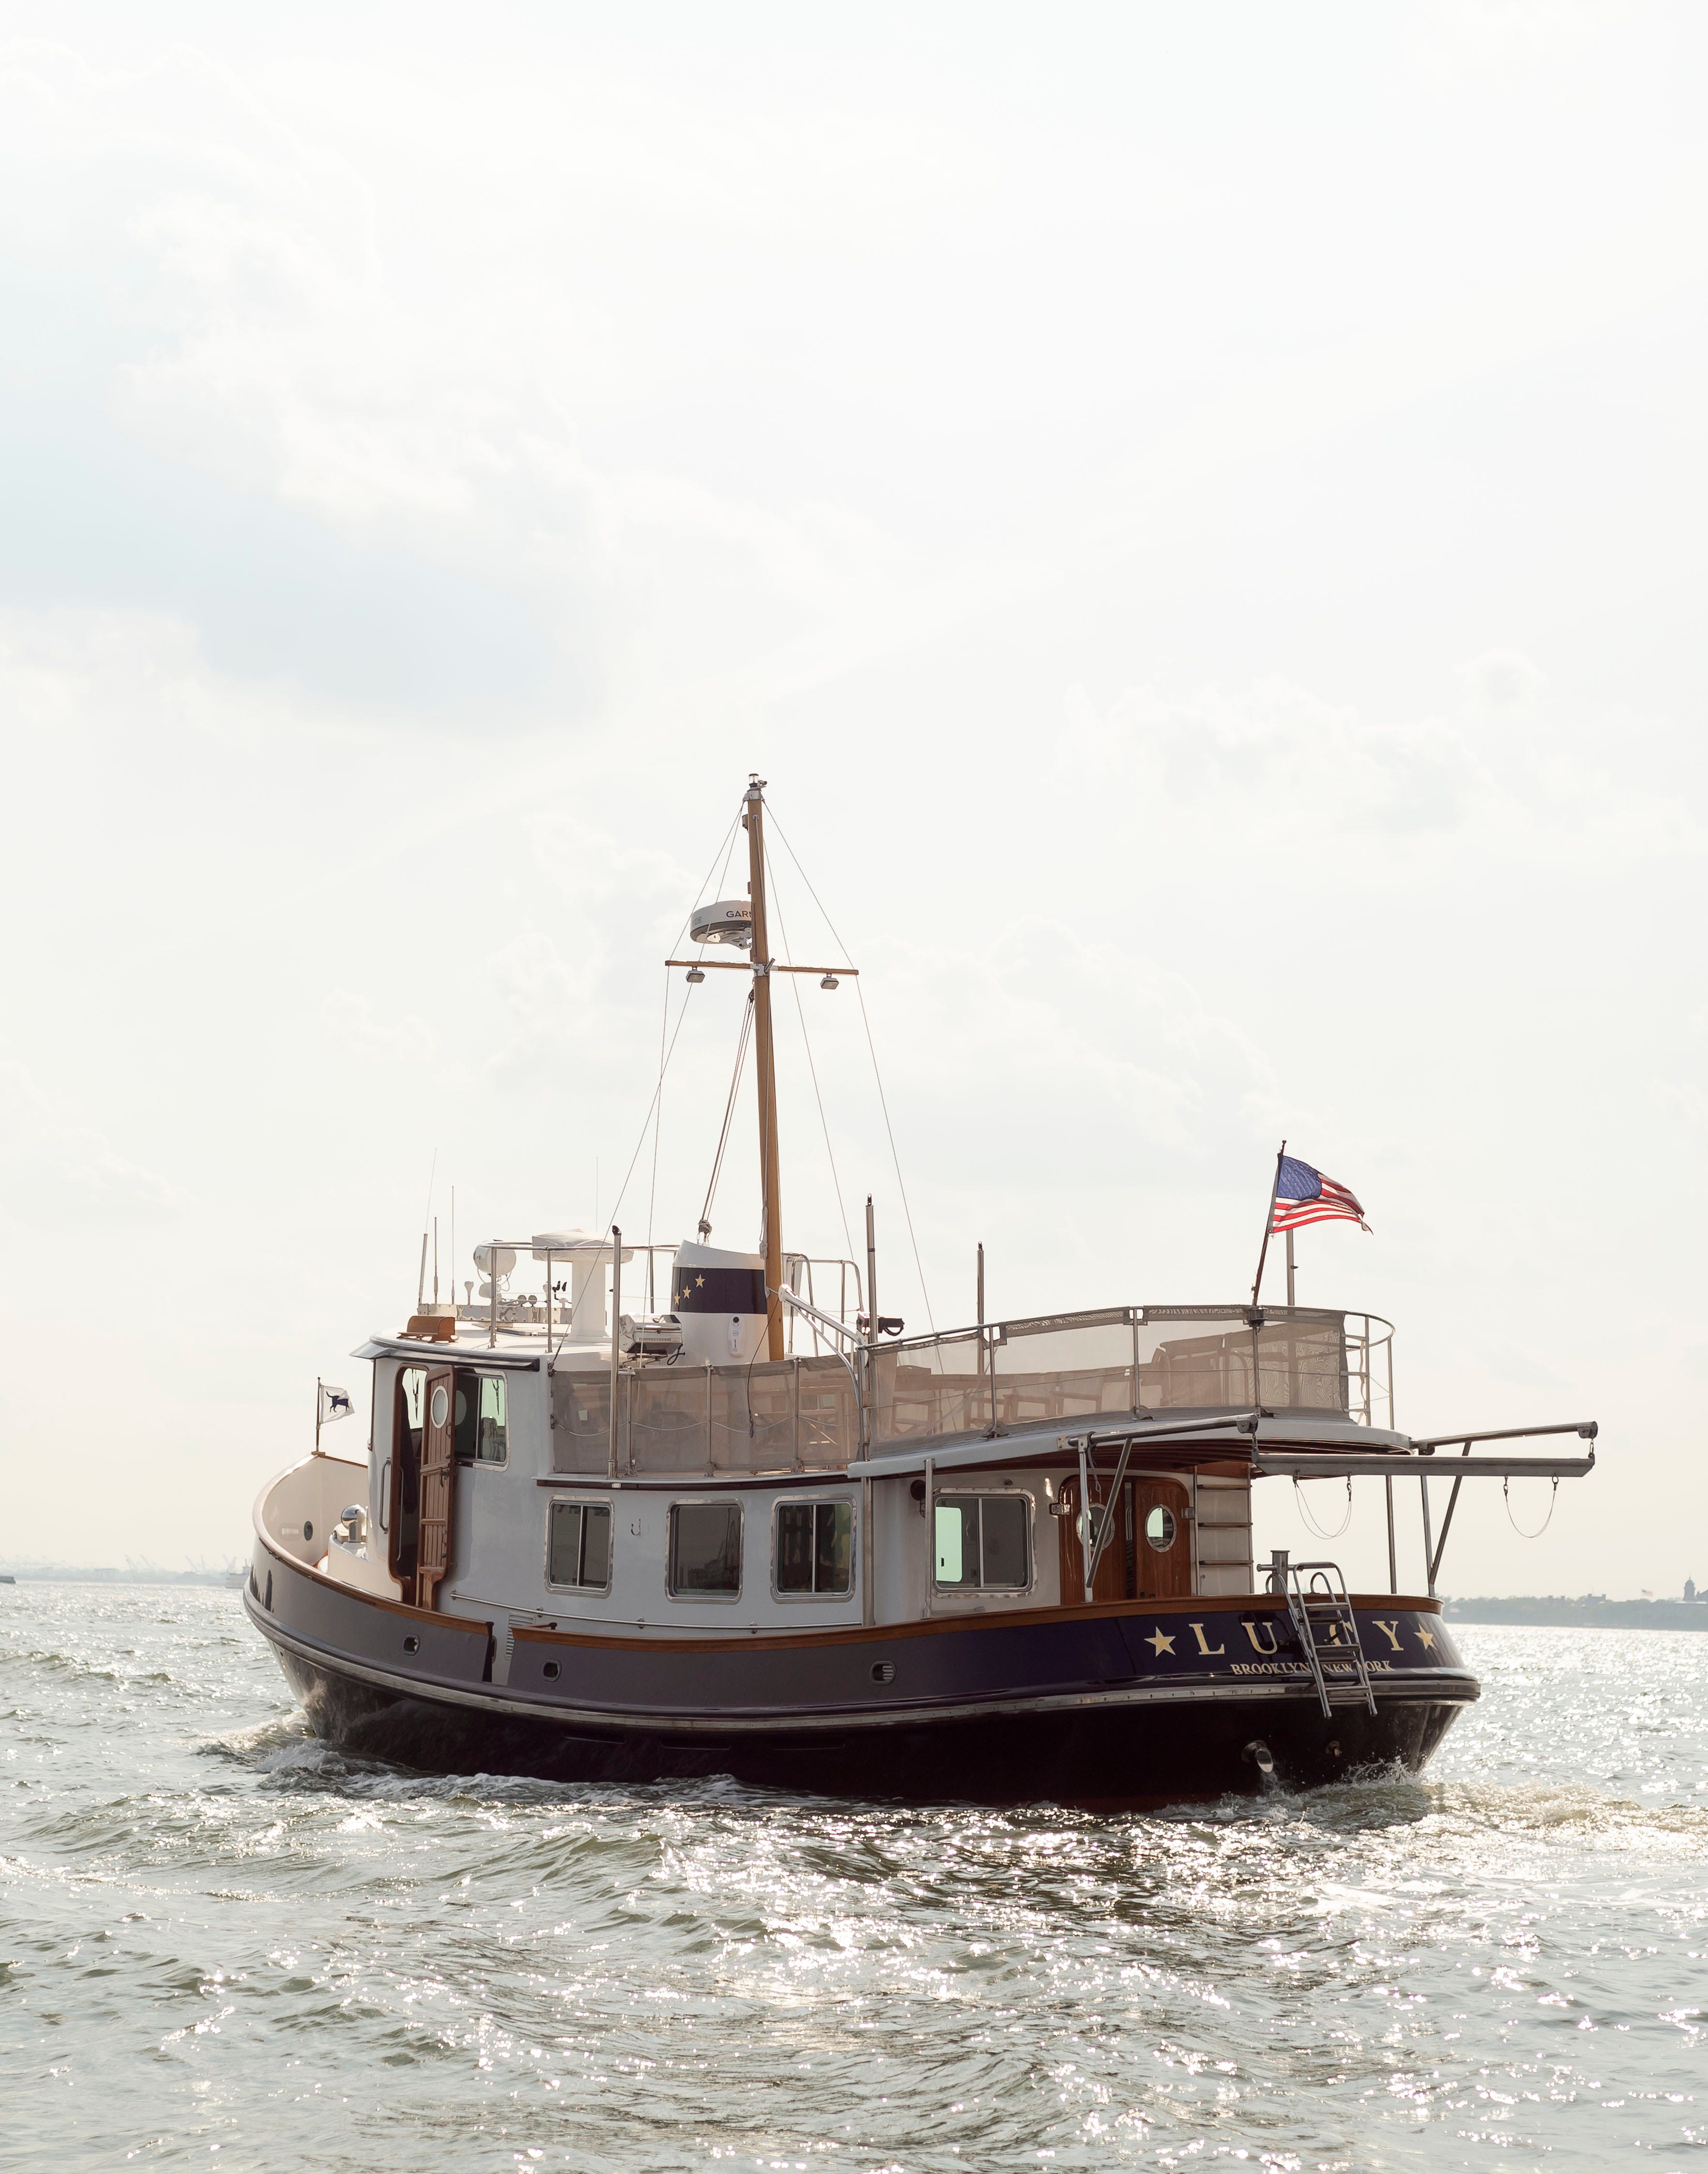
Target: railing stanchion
866 1550
1393 1558
1428 1541
930 1533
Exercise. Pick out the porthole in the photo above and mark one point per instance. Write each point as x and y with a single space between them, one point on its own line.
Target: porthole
440 1406
307 1528
550 1671
1160 1530
412 1644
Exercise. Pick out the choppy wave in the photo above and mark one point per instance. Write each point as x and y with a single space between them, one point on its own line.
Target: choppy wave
223 1942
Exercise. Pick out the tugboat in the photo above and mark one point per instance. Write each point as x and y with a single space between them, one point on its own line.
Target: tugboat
763 1531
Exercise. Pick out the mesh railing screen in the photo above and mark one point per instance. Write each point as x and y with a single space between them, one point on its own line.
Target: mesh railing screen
1073 1370
1206 1364
800 1414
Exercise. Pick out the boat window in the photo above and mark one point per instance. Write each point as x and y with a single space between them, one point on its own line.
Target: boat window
1159 1529
982 1541
815 1548
578 1548
705 1547
483 1417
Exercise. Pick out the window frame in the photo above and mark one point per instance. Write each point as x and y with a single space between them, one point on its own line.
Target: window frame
981 1496
703 1501
812 1501
472 1460
584 1503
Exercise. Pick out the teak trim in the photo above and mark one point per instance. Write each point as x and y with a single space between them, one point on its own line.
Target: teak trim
1001 1619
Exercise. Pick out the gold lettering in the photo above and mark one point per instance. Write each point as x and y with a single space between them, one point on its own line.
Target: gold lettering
1197 1631
1251 1630
1390 1631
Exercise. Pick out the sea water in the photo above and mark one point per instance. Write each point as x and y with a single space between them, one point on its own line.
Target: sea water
223 1945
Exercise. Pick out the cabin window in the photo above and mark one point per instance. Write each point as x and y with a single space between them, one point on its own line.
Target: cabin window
815 1548
578 1546
983 1542
705 1549
483 1417
1160 1529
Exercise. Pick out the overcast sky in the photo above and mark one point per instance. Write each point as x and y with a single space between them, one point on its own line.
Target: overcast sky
1196 513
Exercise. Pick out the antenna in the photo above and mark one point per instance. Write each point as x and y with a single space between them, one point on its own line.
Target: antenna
435 1260
426 1216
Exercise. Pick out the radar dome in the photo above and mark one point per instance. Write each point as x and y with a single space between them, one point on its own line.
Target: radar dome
729 921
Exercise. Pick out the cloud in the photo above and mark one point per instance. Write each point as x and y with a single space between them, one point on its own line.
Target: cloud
1275 760
54 1173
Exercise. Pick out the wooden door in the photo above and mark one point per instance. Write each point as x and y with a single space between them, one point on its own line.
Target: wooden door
438 1483
1146 1558
1111 1579
1160 1510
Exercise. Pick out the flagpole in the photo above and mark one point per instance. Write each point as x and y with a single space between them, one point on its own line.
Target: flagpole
1274 1191
317 1414
1289 1267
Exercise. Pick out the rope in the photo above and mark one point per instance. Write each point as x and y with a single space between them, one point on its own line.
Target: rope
801 1011
1506 1495
1298 1499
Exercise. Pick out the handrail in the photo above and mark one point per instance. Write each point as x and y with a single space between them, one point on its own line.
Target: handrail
813 1313
1585 1429
1399 1464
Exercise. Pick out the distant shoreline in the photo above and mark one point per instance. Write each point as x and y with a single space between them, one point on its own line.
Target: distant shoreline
1591 1612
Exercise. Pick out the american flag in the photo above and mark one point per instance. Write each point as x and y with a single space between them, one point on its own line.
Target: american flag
1304 1195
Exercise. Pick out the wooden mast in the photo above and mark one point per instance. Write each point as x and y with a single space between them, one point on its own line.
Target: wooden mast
761 954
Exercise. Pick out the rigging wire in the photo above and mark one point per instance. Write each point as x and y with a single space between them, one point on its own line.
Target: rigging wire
636 1157
741 1049
882 1100
907 1212
801 1012
726 844
658 1126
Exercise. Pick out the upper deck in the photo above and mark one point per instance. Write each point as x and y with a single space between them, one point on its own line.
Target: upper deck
1317 1373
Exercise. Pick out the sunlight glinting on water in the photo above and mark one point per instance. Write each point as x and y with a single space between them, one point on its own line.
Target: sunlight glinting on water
218 1937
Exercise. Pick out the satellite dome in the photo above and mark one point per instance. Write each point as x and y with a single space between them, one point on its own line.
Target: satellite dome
730 920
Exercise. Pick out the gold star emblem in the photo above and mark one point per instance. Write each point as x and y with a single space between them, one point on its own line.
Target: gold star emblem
1161 1642
1425 1637
700 1282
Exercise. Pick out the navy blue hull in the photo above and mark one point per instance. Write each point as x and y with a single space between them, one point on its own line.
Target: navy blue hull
1129 1704
1104 1755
